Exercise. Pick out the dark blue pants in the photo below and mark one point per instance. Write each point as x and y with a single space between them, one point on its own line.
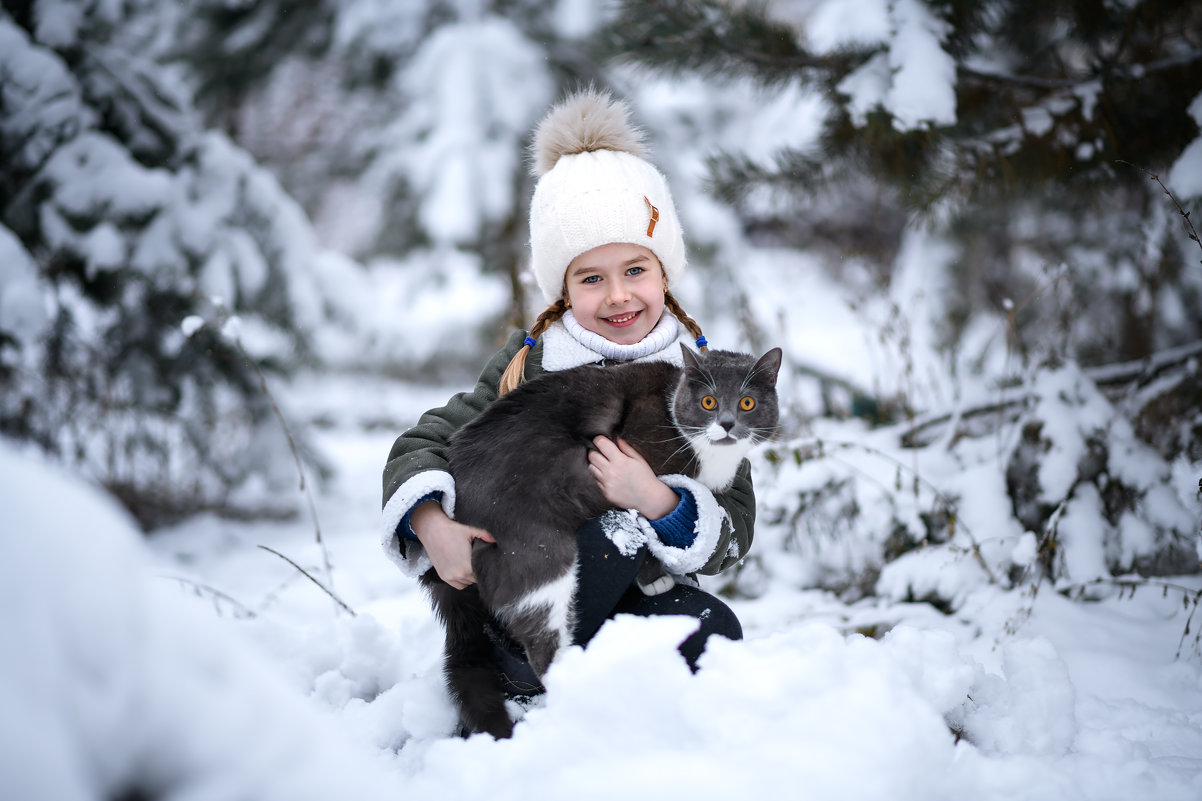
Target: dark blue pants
605 587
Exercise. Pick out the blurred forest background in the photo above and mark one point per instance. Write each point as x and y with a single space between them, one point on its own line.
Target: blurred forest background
200 197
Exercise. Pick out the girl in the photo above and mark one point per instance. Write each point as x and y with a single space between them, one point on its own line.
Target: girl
606 246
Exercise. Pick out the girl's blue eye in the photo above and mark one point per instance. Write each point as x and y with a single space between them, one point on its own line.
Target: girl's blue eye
635 270
591 279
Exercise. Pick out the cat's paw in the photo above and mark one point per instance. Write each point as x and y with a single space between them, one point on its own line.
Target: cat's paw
657 587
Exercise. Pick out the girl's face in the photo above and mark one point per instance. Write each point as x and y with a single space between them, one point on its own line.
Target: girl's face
617 291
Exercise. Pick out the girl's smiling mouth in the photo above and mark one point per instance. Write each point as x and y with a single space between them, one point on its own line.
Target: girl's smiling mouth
622 320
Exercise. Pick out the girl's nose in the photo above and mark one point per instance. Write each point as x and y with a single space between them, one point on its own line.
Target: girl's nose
618 292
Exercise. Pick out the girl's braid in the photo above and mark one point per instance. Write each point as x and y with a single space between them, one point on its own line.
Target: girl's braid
515 373
689 323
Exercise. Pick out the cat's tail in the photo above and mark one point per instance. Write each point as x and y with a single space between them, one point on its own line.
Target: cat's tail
469 665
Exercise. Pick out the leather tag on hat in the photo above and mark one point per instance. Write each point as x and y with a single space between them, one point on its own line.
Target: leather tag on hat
654 216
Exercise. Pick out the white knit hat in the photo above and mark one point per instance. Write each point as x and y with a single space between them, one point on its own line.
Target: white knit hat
595 188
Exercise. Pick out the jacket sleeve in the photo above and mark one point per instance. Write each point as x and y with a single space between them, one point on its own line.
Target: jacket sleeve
417 465
724 526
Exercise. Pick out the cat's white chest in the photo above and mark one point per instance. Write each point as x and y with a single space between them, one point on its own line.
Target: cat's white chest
719 463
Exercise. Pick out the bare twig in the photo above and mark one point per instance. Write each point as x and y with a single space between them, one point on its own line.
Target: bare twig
300 468
309 576
240 609
1193 233
1189 597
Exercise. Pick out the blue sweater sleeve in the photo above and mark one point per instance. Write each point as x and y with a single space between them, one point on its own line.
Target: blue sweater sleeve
679 527
404 528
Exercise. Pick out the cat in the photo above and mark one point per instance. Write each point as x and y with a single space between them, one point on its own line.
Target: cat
521 473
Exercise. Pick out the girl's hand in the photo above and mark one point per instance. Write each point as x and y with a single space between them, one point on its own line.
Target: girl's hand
448 544
627 481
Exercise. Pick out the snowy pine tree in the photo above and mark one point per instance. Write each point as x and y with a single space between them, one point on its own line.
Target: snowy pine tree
1017 128
121 219
400 127
978 175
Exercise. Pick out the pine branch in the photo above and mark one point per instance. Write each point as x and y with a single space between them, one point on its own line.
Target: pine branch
134 91
1131 72
719 39
733 176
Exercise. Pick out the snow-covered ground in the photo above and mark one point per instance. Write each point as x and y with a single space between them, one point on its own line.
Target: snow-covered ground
198 665
205 667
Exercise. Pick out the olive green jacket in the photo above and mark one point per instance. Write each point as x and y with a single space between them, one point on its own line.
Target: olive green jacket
417 467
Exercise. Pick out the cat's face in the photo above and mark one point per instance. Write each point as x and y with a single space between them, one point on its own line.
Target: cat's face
727 399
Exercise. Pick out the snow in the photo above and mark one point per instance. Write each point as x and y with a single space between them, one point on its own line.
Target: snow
913 77
866 87
113 684
464 121
378 26
839 23
1185 176
40 97
22 311
924 74
104 179
57 23
196 664
576 19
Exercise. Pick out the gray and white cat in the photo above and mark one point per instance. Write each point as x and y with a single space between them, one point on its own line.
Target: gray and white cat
521 473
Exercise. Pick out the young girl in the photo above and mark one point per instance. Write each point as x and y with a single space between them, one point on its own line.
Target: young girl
606 246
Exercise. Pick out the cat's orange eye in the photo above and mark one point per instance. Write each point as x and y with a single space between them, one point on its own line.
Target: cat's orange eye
747 404
709 403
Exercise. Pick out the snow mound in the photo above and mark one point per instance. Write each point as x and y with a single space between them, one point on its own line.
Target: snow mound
113 686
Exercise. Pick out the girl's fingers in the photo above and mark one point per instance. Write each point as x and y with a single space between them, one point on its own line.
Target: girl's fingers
605 446
626 448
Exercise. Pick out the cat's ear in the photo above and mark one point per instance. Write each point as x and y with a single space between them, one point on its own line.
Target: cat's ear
768 366
691 360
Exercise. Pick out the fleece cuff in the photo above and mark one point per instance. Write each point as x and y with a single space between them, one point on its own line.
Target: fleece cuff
707 530
409 555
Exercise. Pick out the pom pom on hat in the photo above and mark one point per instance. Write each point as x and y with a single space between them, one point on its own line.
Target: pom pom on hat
596 188
586 121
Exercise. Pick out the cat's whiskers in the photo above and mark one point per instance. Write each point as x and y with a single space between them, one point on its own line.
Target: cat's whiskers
687 445
678 431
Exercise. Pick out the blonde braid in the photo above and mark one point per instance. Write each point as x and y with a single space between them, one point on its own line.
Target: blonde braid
515 373
689 323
